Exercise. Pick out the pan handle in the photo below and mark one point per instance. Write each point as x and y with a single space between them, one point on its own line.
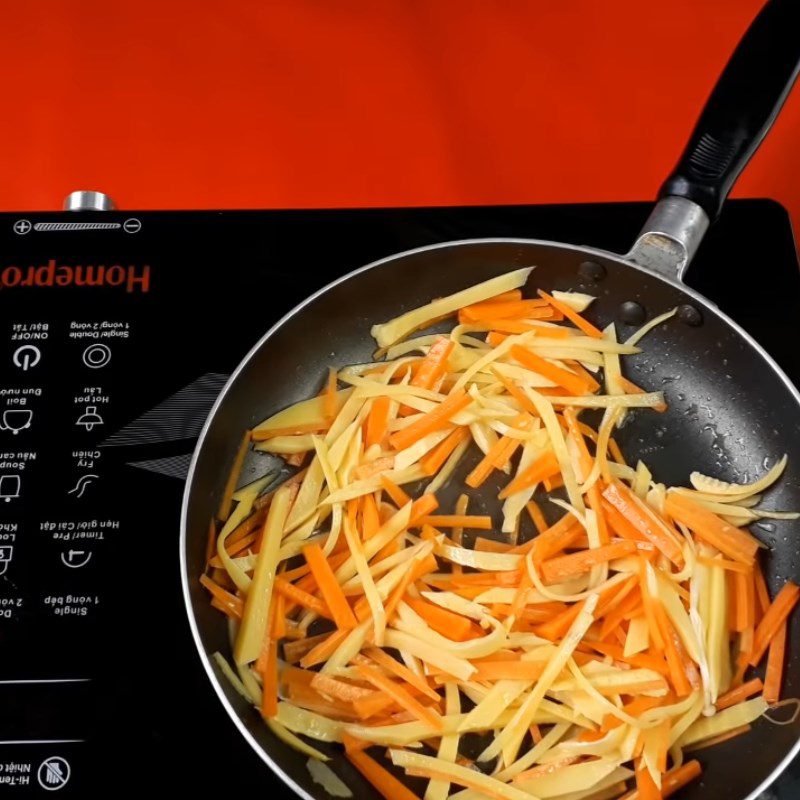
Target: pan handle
737 115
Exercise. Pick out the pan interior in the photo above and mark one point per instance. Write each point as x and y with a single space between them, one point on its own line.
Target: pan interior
730 415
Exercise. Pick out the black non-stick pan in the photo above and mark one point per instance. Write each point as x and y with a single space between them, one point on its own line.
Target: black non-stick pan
730 405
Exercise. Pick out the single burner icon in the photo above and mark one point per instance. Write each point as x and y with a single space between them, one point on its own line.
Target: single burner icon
90 418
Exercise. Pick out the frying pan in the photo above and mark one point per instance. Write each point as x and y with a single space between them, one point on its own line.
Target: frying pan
730 405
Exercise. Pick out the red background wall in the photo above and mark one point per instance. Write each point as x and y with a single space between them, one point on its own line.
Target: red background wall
177 104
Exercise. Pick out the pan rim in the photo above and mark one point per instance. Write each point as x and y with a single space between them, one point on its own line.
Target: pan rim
578 249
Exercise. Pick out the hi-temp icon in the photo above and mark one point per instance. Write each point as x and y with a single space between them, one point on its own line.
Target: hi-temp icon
90 418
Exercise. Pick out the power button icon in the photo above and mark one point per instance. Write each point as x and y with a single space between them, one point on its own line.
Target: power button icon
26 357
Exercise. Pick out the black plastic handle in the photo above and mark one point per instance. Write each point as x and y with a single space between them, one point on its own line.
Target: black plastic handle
741 109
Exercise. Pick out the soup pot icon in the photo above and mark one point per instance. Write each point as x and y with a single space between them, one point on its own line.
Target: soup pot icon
16 419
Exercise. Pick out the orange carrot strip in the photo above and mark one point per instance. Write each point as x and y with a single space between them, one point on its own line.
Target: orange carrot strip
499 454
740 693
432 421
445 622
397 495
516 392
616 453
341 690
677 674
384 782
370 519
322 651
573 316
421 508
733 542
294 651
775 660
234 605
297 595
762 593
515 309
776 615
383 659
433 461
490 545
544 466
574 384
645 785
656 638
400 696
536 734
509 670
641 518
329 587
475 522
678 777
377 421
536 515
559 624
434 365
397 594
640 660
557 537
591 383
632 388
559 570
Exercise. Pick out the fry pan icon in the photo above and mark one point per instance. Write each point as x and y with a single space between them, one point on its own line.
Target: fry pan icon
16 419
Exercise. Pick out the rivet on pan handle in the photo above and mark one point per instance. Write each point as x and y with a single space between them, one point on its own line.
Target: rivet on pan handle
736 117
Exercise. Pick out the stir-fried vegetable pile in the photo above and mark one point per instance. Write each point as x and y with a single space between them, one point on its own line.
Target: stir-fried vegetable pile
596 629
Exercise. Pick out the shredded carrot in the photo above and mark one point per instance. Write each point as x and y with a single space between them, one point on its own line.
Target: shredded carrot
558 570
773 680
499 454
706 525
400 696
510 310
233 605
329 587
434 460
574 384
544 466
297 595
384 660
573 316
645 784
482 523
329 404
445 622
397 495
624 501
323 650
434 364
377 421
775 616
535 513
384 782
739 694
433 421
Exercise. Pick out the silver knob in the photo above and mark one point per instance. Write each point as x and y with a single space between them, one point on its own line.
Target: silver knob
88 201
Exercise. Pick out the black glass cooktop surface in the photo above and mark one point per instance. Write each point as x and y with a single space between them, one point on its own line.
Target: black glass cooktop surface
117 331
